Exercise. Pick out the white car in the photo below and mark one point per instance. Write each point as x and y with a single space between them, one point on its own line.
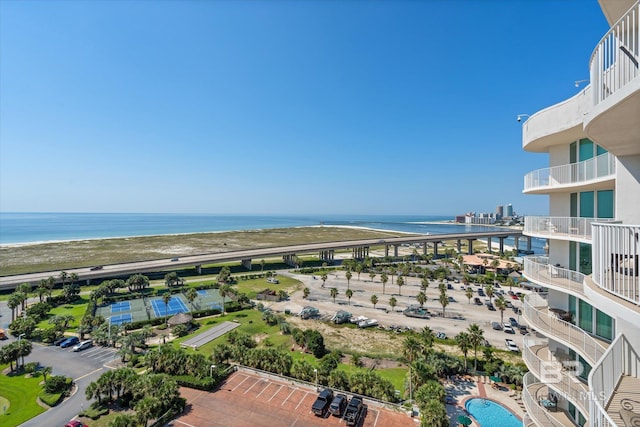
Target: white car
82 345
508 328
511 346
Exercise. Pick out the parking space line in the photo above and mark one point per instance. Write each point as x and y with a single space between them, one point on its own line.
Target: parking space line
86 375
259 394
285 400
277 391
375 422
239 384
252 385
302 400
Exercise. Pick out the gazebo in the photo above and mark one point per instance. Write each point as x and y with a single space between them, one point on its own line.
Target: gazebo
180 319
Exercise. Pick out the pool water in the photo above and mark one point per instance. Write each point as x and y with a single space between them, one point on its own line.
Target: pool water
491 414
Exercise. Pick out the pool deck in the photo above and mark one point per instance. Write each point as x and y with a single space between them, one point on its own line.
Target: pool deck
469 388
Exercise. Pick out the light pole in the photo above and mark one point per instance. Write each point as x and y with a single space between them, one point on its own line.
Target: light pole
211 368
20 349
316 372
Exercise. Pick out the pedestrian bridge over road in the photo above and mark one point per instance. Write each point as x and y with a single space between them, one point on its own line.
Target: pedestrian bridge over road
325 250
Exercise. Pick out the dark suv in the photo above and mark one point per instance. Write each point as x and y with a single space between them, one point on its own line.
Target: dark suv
338 404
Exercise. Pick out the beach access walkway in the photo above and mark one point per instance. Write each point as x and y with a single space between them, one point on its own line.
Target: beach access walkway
210 335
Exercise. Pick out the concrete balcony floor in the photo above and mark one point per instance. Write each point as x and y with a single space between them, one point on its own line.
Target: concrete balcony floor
550 276
624 407
544 417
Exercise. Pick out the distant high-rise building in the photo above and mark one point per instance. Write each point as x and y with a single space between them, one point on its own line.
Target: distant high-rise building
499 212
508 210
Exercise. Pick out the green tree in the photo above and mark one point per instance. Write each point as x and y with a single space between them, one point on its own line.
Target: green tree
374 300
424 283
468 293
501 304
166 297
348 275
393 302
490 292
324 279
305 293
191 295
476 337
224 291
384 279
444 300
334 294
400 283
421 298
262 264
463 340
349 294
372 275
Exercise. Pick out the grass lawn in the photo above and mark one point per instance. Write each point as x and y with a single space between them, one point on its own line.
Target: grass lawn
76 309
252 286
21 393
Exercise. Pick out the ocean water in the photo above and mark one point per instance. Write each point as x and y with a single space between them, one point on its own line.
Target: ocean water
46 227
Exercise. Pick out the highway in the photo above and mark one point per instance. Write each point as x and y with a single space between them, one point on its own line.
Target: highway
168 264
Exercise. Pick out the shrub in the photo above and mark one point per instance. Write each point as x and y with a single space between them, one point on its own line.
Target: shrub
180 330
206 383
50 399
94 411
57 384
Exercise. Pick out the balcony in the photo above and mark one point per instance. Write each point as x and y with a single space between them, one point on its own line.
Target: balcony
538 270
561 228
615 84
615 384
547 321
600 169
616 259
544 364
533 392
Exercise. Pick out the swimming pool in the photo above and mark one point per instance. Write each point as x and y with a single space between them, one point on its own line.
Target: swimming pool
491 414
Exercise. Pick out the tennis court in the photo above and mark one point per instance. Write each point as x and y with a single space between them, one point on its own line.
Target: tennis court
175 305
117 307
119 319
208 298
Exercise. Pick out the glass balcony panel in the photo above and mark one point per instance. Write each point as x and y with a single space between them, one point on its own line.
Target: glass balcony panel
597 168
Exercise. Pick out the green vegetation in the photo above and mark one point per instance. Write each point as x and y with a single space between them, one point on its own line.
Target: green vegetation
22 393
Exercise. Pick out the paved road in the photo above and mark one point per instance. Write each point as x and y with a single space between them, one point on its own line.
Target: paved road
84 367
10 282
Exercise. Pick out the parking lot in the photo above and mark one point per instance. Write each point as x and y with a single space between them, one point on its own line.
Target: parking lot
247 399
96 353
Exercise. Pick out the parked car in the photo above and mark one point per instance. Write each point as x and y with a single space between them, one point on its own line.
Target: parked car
82 345
523 329
69 342
75 423
514 296
338 404
449 286
59 341
452 299
511 346
491 307
508 329
441 335
449 400
513 322
175 259
477 301
496 326
321 405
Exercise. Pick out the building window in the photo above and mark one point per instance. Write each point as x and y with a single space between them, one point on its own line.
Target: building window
585 259
605 204
572 307
586 204
585 316
604 325
585 150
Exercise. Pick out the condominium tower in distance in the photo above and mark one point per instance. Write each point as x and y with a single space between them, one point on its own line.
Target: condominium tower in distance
584 356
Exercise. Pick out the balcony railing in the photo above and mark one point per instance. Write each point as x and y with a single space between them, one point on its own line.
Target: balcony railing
532 392
600 167
616 259
543 364
538 315
561 227
619 360
614 62
538 269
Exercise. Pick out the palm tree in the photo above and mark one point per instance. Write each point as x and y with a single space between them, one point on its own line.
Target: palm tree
359 269
428 336
501 304
469 294
374 300
324 278
349 294
305 293
422 298
495 264
393 302
191 295
400 283
392 271
51 282
348 275
476 336
73 278
372 274
45 371
464 344
424 283
444 300
510 282
64 276
224 291
262 264
384 279
166 297
334 294
490 292
411 349
42 290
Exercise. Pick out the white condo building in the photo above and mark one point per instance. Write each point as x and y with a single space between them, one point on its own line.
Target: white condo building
584 356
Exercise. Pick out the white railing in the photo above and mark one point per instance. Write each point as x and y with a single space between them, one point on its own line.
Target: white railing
557 376
619 359
569 227
599 167
614 62
538 315
616 259
537 413
538 269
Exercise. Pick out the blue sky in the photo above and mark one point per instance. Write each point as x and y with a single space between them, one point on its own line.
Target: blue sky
281 107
